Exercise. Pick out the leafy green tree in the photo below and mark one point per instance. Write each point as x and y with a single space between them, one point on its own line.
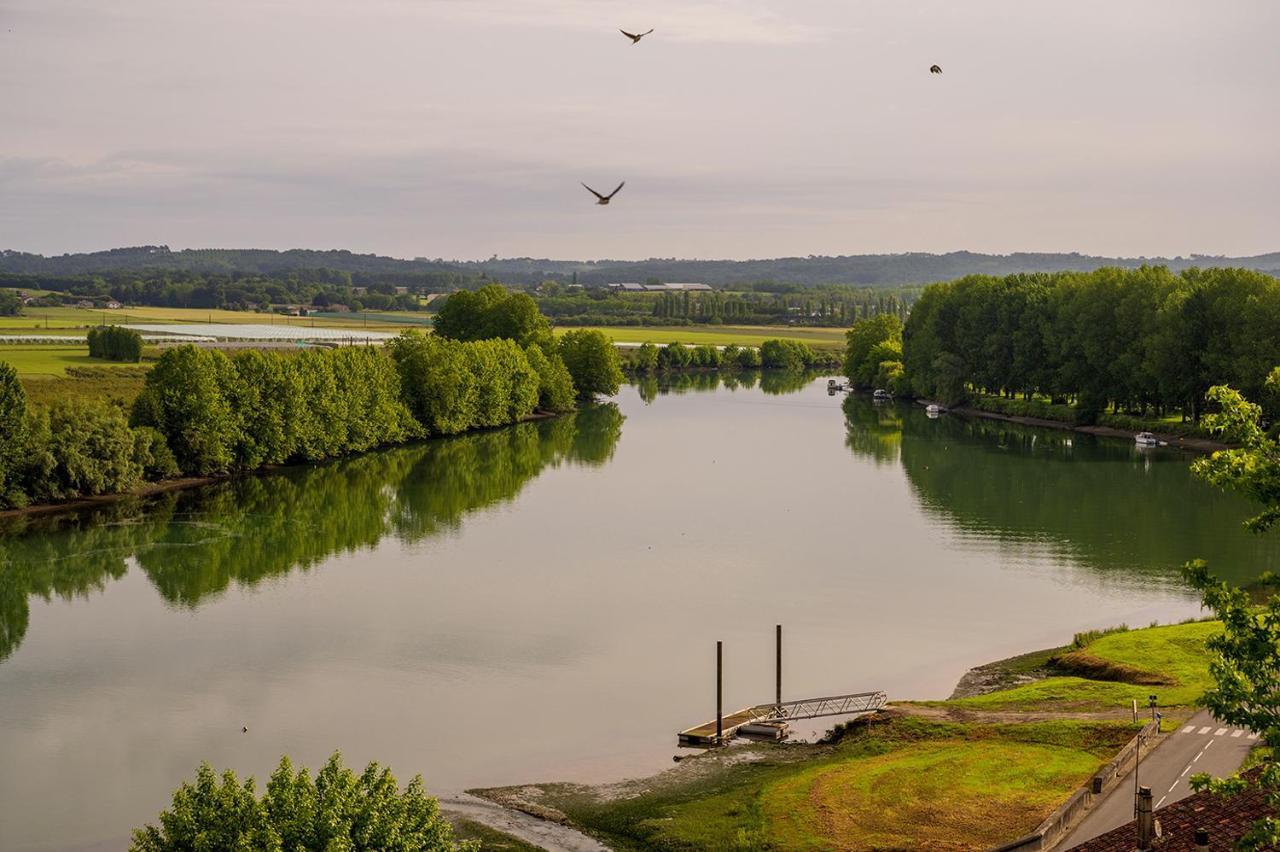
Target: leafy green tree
787 355
78 449
555 385
152 454
592 361
436 383
337 810
465 314
185 398
113 343
646 357
674 356
268 395
13 435
1245 665
866 335
10 304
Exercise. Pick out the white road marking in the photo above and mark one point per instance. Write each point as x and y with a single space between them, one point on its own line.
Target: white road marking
1237 732
1206 748
1198 756
1205 729
1219 732
1161 802
1185 771
1189 729
1175 784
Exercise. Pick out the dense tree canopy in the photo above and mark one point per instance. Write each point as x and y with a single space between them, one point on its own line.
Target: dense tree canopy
592 361
492 312
115 343
871 343
13 433
1142 340
336 810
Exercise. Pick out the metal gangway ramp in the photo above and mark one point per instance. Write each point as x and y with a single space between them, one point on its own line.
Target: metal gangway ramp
854 704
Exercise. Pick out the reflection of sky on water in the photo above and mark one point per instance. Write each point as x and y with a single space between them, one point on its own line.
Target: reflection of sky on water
542 603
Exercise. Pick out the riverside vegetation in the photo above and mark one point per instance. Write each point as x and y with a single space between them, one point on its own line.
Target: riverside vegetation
1139 346
202 413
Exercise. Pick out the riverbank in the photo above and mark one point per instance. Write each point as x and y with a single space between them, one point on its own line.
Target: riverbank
147 490
1181 442
970 772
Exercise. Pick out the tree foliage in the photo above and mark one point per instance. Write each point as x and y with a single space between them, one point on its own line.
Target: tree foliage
1245 664
336 811
13 435
1140 340
492 312
592 361
115 343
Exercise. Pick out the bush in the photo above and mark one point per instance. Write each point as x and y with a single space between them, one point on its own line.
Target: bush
114 343
592 360
555 385
787 355
337 810
78 449
185 397
674 356
646 358
13 435
152 454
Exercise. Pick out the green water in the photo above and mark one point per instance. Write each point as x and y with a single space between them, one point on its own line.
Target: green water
542 602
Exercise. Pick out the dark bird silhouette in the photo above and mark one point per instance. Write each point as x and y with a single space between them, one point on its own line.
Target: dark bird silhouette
635 39
935 69
605 199
245 729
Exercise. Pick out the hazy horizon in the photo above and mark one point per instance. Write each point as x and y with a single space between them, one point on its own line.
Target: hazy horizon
744 128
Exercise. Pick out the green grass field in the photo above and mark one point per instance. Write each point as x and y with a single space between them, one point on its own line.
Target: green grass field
1169 662
52 360
55 319
724 335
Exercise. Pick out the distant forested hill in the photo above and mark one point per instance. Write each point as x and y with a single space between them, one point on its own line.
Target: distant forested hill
865 270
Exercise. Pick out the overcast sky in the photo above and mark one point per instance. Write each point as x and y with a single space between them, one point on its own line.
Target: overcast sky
744 128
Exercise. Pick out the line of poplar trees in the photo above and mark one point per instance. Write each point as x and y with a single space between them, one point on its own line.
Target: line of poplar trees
1140 341
115 343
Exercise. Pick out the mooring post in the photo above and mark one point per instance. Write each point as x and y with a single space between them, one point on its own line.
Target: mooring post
778 694
719 692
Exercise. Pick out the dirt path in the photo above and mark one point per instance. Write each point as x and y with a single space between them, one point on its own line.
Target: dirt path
551 836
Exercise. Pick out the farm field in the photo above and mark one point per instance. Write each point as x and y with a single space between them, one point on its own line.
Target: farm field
57 319
48 360
719 335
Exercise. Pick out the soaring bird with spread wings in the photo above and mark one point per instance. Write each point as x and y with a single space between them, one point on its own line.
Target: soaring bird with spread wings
935 69
605 199
635 39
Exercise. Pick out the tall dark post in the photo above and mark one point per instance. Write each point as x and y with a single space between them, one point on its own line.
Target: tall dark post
719 692
778 694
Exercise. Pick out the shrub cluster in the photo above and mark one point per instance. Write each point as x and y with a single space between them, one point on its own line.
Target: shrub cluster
115 343
203 412
777 354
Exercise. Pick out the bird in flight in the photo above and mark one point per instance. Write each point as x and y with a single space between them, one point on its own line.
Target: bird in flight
635 39
935 69
605 199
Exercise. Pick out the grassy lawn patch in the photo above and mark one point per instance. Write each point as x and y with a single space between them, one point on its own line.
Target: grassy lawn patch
897 783
36 360
1169 662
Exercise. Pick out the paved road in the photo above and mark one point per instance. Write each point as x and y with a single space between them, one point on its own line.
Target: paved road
1200 745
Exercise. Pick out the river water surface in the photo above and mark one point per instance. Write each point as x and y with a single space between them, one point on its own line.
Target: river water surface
541 602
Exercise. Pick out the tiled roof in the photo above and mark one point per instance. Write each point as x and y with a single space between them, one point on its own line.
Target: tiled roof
1225 818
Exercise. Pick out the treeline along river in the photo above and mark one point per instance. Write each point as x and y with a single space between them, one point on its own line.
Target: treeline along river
541 601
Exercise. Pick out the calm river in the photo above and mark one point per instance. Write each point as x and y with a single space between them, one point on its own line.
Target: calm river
542 602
